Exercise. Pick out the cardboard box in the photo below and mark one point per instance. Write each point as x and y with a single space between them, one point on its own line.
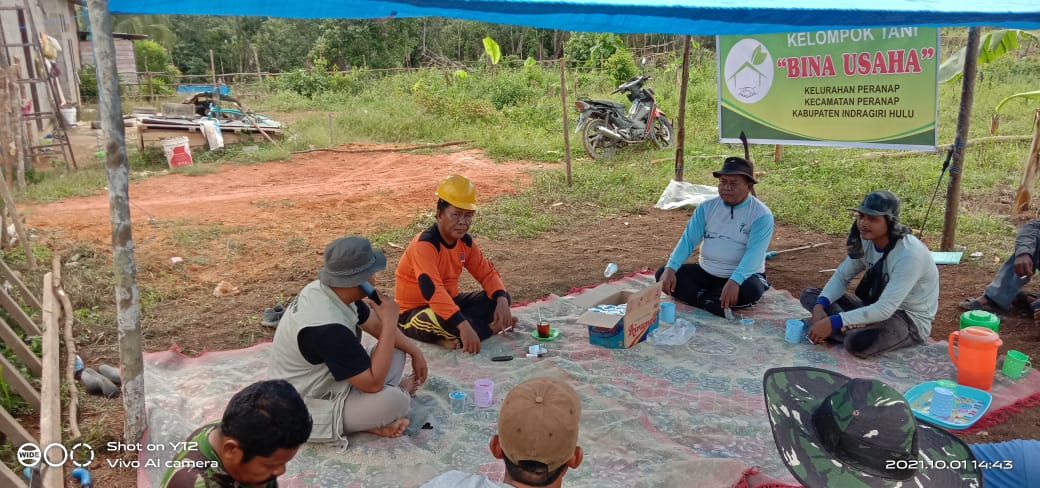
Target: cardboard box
616 332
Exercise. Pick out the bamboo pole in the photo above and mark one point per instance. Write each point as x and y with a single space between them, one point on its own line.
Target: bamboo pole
50 389
566 128
70 348
128 303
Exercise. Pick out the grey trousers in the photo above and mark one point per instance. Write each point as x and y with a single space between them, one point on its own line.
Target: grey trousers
1005 285
363 411
863 341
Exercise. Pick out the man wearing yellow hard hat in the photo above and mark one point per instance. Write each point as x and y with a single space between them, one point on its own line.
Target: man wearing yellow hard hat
427 288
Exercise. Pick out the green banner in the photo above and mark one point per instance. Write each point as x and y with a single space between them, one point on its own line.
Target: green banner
869 87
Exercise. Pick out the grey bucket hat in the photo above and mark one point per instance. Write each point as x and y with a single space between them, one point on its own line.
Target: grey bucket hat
832 431
349 261
881 202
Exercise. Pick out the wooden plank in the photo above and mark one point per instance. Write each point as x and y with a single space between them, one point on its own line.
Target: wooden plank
19 384
23 290
14 431
50 391
15 310
9 478
13 341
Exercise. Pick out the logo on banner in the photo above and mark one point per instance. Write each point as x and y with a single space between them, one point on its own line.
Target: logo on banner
748 71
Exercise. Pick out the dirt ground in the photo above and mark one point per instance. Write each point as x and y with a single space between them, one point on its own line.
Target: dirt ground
262 229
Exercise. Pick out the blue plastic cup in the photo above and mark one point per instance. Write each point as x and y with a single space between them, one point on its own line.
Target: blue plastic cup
942 402
458 402
667 312
795 330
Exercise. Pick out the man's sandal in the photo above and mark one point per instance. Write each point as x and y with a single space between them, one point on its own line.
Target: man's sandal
974 303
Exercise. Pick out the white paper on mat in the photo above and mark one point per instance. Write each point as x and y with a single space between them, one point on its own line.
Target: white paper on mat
680 194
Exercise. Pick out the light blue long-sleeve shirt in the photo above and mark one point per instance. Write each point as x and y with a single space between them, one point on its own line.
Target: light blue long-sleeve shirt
913 284
735 238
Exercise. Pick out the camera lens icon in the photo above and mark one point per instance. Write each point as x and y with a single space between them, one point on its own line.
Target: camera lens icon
29 455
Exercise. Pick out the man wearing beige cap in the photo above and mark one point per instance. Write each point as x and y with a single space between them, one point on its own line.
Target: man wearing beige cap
317 348
537 438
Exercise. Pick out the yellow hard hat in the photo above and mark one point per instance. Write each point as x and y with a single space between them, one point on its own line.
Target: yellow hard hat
458 191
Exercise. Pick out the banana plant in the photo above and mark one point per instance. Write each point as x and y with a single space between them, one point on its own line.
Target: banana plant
494 53
992 46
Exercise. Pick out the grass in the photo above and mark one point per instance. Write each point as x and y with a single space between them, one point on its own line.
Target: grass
517 115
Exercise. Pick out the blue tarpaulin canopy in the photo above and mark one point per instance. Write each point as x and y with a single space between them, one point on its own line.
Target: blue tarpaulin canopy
702 17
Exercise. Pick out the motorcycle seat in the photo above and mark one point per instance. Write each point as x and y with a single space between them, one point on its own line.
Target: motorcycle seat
606 103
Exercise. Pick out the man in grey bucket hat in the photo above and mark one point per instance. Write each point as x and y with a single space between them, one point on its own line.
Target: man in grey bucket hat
835 431
317 347
897 298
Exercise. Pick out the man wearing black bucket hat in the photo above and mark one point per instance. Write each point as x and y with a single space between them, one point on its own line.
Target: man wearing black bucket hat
317 348
835 431
733 231
895 301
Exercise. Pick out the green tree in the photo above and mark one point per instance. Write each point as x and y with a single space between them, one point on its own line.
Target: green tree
152 57
283 44
592 48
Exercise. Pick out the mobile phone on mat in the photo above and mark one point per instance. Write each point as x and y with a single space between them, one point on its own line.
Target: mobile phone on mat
371 292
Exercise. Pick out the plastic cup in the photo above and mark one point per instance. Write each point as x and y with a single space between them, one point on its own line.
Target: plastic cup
483 392
544 330
942 402
1016 364
458 402
667 312
747 327
948 384
795 330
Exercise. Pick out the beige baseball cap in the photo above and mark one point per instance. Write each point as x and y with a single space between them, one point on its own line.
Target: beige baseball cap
539 422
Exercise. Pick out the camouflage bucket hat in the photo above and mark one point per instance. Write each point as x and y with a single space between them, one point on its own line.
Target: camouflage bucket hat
835 431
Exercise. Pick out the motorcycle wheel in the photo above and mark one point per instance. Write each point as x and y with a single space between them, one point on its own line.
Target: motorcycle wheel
597 145
663 136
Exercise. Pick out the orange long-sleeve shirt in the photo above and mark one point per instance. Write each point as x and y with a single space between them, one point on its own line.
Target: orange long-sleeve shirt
429 272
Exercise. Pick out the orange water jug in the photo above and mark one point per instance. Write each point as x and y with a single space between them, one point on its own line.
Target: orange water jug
973 351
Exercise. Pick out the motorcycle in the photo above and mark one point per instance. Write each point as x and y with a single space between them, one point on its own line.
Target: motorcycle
606 126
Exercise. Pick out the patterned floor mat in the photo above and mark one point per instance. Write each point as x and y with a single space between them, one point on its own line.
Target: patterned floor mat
653 415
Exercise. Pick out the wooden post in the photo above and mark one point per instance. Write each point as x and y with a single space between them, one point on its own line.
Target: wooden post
332 141
127 295
680 156
1031 172
70 347
953 192
566 125
778 153
50 389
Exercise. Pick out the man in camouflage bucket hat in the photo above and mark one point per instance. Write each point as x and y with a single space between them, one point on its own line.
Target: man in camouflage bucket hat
832 430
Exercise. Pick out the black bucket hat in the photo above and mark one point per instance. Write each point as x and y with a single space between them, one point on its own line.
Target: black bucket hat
349 261
736 166
832 430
